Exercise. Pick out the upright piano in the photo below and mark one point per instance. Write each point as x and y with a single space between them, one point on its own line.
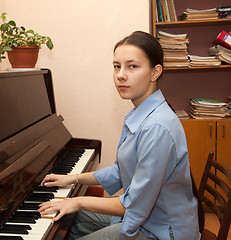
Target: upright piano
33 143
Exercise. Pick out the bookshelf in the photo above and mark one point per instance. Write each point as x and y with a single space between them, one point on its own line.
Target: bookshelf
189 82
179 84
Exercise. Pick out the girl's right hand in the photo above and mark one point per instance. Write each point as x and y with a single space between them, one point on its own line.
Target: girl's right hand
55 180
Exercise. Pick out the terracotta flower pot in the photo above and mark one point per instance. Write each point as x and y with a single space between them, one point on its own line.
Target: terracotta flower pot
23 56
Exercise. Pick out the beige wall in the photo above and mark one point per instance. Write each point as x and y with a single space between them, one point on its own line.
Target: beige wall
84 33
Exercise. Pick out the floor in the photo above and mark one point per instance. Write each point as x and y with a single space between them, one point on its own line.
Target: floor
212 223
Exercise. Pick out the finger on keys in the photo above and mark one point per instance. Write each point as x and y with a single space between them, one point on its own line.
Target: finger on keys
48 180
47 208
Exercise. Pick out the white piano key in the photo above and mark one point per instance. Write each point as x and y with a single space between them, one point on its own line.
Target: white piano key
37 230
78 168
43 224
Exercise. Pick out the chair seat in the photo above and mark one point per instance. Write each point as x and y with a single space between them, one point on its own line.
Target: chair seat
208 235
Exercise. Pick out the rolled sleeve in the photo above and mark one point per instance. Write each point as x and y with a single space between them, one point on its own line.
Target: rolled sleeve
109 178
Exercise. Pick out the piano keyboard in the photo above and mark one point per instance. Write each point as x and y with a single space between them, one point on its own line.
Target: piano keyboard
26 223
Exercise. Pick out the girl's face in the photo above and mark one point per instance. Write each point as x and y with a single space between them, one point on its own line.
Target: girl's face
133 76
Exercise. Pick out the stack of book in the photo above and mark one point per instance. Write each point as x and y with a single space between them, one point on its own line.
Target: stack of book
224 11
165 11
222 53
181 114
229 106
192 14
175 49
198 61
201 108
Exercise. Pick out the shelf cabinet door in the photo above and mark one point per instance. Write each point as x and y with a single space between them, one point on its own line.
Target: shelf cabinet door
224 142
201 138
224 145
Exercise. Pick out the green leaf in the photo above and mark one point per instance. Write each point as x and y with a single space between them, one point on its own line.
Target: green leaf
4 27
23 28
30 31
49 44
7 49
11 31
12 23
3 16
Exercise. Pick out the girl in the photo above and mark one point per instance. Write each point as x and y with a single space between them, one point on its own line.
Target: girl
151 165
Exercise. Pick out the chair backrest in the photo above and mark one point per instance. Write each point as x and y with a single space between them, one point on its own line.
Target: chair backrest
215 192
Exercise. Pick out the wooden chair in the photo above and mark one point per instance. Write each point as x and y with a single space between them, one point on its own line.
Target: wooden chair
215 184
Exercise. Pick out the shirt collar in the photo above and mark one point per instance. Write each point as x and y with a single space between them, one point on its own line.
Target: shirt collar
136 116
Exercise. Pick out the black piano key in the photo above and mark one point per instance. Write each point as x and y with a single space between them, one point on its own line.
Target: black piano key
61 172
40 199
41 195
14 231
64 169
16 226
46 189
65 166
67 163
11 238
35 215
22 220
71 157
29 206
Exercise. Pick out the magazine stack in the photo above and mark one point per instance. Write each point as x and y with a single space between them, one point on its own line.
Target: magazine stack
229 106
202 108
175 49
192 14
199 61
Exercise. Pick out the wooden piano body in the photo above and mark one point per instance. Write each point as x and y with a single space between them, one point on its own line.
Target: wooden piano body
33 139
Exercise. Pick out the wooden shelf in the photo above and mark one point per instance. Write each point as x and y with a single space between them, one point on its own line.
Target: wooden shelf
195 22
197 68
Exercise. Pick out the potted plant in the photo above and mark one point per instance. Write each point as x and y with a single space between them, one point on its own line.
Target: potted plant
19 42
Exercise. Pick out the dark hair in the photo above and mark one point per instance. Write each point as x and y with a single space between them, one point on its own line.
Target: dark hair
146 42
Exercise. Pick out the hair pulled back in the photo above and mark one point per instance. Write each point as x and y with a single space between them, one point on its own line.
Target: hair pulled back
146 42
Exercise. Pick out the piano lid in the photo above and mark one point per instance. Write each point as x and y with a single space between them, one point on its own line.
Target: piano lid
31 135
25 98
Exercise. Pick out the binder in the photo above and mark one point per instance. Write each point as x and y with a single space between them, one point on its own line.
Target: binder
223 39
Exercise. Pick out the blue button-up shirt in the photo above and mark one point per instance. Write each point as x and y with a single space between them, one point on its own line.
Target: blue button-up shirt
152 167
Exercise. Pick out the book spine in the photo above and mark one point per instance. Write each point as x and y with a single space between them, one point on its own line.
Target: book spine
174 10
160 12
167 11
171 11
164 10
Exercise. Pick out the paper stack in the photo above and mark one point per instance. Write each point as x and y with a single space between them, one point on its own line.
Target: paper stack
198 61
175 49
192 14
181 114
222 53
201 108
229 106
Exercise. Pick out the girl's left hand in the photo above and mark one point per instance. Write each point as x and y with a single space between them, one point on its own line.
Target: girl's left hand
66 206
